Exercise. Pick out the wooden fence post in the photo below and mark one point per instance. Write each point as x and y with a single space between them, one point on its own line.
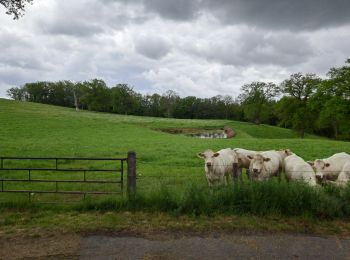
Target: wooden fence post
131 189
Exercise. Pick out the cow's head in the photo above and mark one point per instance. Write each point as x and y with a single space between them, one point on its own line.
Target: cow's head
320 167
208 157
257 164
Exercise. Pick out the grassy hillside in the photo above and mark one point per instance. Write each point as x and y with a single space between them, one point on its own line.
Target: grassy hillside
29 129
41 130
164 159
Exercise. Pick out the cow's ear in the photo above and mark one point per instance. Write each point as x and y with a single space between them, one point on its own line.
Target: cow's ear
250 157
216 154
311 163
266 159
327 164
200 155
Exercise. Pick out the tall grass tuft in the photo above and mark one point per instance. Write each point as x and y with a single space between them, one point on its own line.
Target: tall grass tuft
256 198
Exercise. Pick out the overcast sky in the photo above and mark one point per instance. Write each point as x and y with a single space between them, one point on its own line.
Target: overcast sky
200 47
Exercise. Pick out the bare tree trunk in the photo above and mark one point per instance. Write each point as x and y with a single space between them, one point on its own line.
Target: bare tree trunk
75 101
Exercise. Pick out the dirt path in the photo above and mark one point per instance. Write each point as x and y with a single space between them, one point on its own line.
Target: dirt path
55 245
39 244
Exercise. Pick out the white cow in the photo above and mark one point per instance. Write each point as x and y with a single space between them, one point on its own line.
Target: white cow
344 175
241 161
265 165
329 168
283 153
218 166
295 168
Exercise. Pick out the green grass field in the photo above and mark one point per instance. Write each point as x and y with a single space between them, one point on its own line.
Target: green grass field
170 176
163 159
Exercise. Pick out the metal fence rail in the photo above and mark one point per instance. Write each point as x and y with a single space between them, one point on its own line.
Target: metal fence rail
57 166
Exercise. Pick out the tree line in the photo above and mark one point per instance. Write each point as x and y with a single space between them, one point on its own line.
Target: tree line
303 102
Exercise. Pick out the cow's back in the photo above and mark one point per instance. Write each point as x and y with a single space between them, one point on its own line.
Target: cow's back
273 165
338 159
297 169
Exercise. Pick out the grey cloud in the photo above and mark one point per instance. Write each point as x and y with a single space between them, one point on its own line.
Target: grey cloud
72 19
153 47
110 40
253 47
272 14
91 17
282 14
19 52
174 9
169 9
77 28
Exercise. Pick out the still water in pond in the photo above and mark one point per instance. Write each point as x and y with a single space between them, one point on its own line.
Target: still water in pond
209 135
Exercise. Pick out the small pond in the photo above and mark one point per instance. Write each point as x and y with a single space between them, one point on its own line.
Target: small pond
197 132
209 135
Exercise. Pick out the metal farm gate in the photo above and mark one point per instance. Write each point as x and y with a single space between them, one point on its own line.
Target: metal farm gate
10 165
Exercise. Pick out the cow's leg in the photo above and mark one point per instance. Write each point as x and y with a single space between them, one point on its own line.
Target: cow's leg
279 173
222 180
239 174
250 177
234 172
210 183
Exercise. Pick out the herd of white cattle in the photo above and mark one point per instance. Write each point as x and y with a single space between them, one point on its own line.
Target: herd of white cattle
263 165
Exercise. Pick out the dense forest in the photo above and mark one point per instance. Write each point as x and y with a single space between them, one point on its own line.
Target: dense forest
303 102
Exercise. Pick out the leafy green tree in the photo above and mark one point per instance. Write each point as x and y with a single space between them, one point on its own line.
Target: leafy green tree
332 100
340 80
97 96
185 107
16 93
124 99
228 102
15 7
168 102
284 109
257 101
37 92
299 88
151 105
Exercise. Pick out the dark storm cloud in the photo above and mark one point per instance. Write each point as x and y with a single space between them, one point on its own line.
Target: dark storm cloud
282 14
274 14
